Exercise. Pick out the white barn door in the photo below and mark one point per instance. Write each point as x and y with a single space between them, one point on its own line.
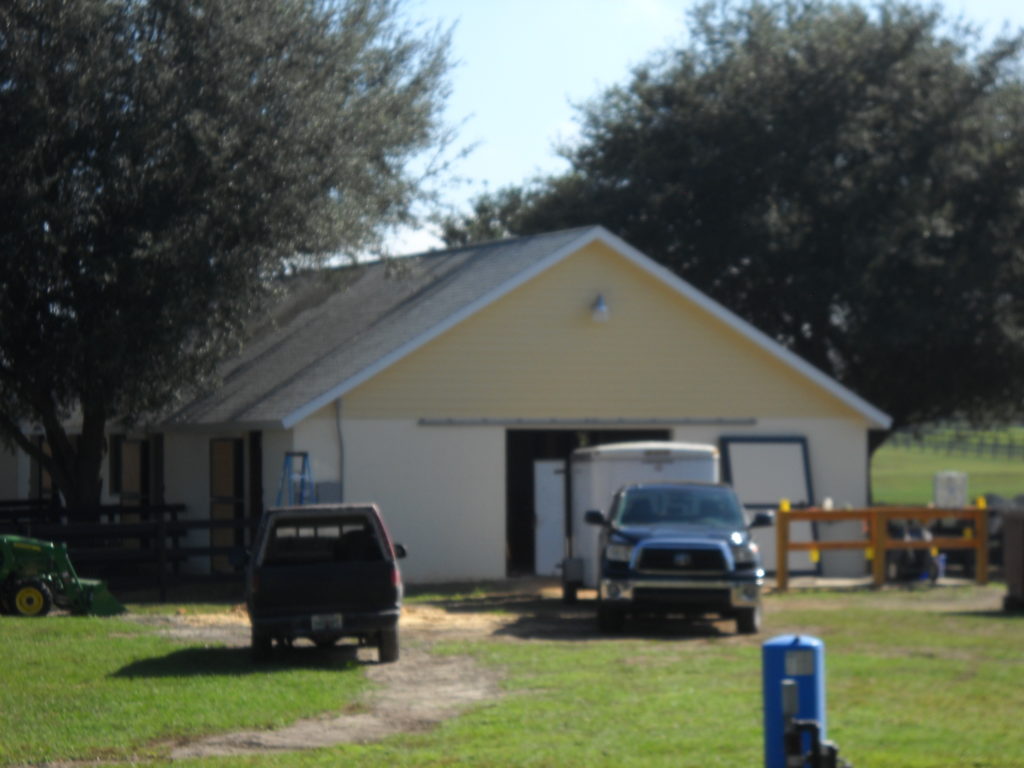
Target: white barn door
763 471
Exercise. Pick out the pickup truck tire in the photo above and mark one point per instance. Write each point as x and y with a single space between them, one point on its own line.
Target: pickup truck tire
387 645
748 621
262 645
610 619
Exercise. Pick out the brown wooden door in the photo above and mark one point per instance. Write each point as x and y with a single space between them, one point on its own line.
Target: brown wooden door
227 497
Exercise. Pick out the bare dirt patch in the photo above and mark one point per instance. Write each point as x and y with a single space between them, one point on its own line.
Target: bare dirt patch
414 694
419 691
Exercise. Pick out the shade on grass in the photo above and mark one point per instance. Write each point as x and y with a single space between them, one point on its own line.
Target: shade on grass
84 687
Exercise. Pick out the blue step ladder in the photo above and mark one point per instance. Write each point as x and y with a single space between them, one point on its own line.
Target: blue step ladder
296 485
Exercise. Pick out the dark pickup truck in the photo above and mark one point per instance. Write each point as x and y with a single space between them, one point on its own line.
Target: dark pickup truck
325 572
678 548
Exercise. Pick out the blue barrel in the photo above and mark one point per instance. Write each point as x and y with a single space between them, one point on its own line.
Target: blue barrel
801 659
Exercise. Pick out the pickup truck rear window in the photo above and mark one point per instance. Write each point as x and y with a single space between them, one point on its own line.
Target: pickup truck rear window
352 539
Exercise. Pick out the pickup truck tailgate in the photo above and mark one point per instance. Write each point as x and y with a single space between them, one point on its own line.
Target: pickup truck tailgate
296 589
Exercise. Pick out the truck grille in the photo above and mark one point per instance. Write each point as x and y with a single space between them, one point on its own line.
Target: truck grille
714 598
681 560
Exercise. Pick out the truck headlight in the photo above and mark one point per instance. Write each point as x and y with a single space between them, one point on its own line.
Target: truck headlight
620 553
745 555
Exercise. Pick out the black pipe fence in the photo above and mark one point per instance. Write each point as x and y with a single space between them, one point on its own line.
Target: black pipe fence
143 547
992 445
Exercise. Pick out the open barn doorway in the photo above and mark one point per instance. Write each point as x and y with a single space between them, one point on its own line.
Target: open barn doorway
524 448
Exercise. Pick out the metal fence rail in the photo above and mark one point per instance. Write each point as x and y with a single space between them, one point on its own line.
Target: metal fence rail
955 443
141 546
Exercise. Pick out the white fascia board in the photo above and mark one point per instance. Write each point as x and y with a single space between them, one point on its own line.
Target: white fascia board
585 237
878 418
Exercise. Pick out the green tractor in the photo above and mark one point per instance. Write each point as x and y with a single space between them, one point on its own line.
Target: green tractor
35 575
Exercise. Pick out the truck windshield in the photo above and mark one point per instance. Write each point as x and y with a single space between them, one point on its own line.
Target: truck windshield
703 506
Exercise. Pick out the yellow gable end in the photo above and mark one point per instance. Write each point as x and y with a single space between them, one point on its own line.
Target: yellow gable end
537 353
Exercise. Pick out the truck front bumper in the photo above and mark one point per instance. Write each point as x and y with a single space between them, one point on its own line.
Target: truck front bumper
682 594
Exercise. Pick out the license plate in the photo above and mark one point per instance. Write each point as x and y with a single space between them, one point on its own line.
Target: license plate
322 621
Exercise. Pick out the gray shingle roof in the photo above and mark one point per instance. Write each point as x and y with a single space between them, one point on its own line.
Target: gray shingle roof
335 326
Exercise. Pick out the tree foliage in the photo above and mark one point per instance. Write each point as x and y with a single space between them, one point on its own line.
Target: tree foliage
850 181
163 161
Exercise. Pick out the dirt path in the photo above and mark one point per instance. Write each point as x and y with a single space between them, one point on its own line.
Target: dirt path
413 694
419 691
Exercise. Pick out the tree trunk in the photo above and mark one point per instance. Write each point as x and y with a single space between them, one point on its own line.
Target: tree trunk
76 462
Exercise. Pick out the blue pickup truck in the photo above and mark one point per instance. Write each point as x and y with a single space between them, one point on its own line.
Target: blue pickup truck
678 549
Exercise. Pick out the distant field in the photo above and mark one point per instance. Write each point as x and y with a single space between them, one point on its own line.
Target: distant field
903 475
955 439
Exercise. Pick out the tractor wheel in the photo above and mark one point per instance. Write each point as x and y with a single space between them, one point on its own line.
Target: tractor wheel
30 598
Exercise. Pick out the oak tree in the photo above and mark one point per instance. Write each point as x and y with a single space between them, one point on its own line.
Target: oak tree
163 162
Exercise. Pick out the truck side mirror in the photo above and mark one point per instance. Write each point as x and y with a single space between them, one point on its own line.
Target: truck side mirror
763 520
594 517
400 551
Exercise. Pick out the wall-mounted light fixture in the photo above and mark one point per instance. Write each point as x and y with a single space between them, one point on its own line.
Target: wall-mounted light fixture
599 311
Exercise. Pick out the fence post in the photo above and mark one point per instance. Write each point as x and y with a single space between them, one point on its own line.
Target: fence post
161 549
981 544
782 546
878 536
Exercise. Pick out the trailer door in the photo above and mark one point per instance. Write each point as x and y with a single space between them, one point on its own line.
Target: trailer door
549 508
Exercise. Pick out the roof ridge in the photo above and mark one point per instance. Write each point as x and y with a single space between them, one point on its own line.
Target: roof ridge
498 242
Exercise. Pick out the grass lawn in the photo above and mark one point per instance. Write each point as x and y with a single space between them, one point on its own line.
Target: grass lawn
904 475
926 678
90 687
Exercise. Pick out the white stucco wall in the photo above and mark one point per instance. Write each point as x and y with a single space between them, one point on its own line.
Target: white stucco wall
9 488
442 492
187 481
275 444
319 436
24 475
443 489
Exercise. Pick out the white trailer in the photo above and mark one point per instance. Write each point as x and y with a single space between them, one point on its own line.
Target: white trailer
599 471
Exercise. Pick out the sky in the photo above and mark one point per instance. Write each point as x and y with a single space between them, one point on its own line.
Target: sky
521 65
